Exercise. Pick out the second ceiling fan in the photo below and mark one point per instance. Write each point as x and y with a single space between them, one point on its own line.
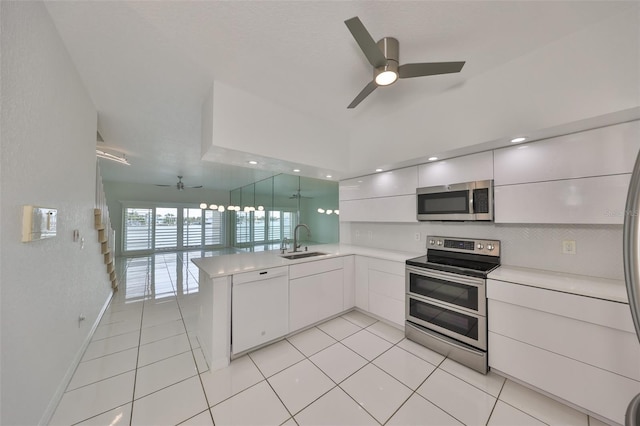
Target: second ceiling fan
384 57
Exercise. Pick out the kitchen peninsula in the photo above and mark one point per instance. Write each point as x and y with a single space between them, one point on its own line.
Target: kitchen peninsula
317 287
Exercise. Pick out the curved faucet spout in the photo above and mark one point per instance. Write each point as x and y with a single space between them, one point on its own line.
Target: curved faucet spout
296 246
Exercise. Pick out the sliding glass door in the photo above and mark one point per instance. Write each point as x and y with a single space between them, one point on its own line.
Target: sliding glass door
149 229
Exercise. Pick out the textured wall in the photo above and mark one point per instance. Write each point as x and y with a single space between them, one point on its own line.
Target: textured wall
599 247
47 158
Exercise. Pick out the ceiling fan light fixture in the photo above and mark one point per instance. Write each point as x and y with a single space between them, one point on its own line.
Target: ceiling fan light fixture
387 74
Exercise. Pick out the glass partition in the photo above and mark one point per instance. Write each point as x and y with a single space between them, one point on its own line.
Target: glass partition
277 204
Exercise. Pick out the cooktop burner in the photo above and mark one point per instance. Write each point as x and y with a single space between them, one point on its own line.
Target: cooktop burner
461 256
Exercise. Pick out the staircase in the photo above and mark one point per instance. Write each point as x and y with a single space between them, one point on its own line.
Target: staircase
106 234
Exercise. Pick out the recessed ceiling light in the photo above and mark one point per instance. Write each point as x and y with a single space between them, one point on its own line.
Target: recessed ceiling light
516 140
433 158
253 162
329 176
296 170
378 170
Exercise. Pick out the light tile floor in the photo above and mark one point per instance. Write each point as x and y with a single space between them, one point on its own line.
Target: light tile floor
144 366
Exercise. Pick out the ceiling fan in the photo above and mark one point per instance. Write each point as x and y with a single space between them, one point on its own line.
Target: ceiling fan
180 185
383 56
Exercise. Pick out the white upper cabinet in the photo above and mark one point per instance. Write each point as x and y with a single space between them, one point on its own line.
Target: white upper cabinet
384 184
604 151
384 209
456 170
588 200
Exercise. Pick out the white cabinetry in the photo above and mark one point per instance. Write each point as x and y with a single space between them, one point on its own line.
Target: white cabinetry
316 291
457 170
577 178
381 197
580 349
260 302
380 288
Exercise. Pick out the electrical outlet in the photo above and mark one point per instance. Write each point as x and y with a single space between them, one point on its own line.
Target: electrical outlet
416 236
370 234
568 247
357 234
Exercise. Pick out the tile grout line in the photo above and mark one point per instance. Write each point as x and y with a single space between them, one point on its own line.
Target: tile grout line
135 376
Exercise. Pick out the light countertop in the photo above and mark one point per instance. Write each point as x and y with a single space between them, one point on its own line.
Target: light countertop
220 266
582 285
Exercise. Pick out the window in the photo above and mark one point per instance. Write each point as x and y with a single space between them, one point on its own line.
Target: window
213 226
148 229
138 229
166 233
192 227
263 227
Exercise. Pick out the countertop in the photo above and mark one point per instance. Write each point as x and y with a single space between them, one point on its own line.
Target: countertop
582 285
220 266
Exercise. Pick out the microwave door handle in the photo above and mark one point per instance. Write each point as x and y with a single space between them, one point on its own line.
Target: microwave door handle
471 211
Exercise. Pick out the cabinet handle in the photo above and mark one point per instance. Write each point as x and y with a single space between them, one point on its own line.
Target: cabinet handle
263 272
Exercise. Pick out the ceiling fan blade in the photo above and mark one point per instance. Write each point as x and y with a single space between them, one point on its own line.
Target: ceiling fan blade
363 94
163 185
429 68
196 187
365 41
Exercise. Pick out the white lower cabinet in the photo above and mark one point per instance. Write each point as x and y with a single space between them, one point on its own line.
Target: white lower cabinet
259 307
580 349
380 288
316 291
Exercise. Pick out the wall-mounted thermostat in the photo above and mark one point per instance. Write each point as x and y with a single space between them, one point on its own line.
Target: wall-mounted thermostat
38 223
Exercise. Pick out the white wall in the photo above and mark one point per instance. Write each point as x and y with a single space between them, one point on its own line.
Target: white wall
248 123
48 137
119 192
586 74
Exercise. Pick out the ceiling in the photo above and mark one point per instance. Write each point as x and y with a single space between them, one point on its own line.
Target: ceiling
149 66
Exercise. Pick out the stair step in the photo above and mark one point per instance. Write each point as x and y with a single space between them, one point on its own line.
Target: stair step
105 248
107 258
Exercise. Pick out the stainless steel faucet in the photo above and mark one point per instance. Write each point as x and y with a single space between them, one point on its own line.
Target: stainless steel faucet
296 246
283 244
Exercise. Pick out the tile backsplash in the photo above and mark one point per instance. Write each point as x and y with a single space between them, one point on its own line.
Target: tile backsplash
598 247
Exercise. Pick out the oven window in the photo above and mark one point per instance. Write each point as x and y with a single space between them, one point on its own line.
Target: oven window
455 322
444 202
457 294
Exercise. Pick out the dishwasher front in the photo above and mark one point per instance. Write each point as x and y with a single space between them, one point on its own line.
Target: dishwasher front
259 307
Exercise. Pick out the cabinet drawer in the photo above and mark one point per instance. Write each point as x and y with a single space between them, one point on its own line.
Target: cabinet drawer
586 386
388 266
596 311
315 267
387 308
603 347
260 274
386 284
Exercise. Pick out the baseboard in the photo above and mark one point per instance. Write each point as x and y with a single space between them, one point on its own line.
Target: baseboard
55 400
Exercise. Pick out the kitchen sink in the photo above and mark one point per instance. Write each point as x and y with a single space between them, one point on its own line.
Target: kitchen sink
302 255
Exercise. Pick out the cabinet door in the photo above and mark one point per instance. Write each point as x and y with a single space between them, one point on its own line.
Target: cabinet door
349 278
385 184
386 296
303 306
330 294
456 170
362 283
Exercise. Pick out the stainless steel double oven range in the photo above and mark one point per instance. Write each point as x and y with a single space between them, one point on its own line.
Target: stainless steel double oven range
446 299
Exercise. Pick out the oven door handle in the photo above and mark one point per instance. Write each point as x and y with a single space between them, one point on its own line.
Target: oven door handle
461 279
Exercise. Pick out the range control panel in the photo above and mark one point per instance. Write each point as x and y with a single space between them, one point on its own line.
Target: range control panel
462 245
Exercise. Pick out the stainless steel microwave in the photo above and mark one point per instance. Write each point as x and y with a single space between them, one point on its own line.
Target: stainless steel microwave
471 201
